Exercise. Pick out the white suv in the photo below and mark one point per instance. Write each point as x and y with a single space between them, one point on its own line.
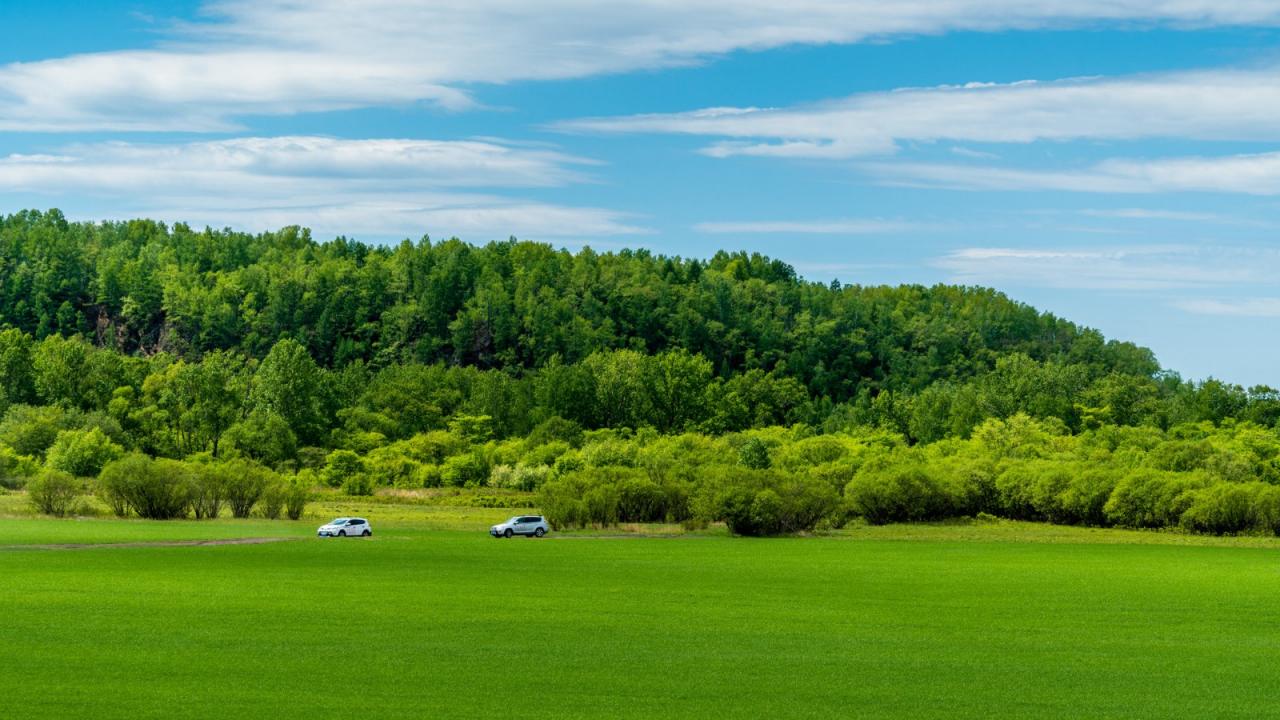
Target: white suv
344 527
530 525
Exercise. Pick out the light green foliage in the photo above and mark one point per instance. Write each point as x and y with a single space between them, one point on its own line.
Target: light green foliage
264 437
273 499
15 469
154 489
289 385
206 489
297 494
82 453
343 467
53 492
245 481
31 430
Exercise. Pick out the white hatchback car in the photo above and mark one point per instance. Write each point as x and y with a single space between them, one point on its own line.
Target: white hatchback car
529 525
345 527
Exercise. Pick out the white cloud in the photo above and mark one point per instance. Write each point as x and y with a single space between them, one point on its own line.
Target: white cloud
1149 214
284 56
1254 174
1250 307
379 186
1152 267
818 227
1210 105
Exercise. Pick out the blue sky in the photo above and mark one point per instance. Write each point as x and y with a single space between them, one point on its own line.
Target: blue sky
1114 162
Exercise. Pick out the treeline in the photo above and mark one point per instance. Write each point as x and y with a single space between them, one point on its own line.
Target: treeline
139 287
164 489
1198 477
275 345
517 365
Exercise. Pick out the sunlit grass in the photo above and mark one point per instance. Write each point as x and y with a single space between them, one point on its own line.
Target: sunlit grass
431 618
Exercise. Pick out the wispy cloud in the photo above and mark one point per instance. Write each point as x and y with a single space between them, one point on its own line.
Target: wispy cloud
376 186
816 227
1230 104
1249 308
1253 174
282 56
1155 214
1151 267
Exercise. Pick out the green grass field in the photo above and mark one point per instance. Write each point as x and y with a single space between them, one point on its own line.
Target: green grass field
431 618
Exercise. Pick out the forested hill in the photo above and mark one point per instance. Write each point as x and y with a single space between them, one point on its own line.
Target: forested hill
522 332
139 287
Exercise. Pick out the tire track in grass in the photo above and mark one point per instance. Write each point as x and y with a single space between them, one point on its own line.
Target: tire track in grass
148 544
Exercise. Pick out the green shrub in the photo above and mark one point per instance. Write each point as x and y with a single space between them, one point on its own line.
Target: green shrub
1085 498
1149 498
358 485
274 496
466 470
1222 509
519 477
546 454
341 466
601 505
428 476
53 492
555 429
15 469
641 500
31 430
898 494
245 482
82 453
297 495
206 490
157 490
561 503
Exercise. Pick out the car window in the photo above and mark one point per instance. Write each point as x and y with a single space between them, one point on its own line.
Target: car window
353 522
521 521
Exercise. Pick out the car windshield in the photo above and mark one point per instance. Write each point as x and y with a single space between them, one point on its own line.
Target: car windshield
339 521
513 520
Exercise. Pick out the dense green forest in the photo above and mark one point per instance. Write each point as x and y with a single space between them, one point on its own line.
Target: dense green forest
513 364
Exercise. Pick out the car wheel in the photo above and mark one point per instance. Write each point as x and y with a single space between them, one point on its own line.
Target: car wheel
366 533
507 533
539 532
342 533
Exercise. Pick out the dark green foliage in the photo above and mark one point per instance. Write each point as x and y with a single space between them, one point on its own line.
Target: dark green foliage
53 492
754 454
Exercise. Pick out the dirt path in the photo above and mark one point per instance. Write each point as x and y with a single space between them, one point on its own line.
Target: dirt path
153 543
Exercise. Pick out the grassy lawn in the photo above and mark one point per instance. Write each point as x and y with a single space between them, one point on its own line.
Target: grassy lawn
429 620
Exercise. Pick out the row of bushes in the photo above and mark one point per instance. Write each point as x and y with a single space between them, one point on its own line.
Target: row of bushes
163 489
1199 478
